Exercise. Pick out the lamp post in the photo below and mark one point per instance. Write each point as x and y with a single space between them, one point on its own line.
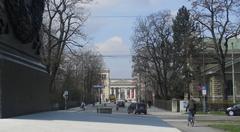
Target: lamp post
233 78
204 89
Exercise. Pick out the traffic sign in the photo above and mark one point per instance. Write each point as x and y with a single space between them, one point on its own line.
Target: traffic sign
204 92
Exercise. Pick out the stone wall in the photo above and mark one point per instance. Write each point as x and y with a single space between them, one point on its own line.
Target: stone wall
23 79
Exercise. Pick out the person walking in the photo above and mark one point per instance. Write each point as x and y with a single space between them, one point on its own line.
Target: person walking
191 109
117 107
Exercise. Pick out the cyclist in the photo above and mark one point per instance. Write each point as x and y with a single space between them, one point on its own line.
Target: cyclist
191 108
83 106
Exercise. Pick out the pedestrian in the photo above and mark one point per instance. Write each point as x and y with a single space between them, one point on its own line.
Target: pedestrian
117 107
149 104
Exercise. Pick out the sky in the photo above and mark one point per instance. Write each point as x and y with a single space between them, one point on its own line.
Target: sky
110 27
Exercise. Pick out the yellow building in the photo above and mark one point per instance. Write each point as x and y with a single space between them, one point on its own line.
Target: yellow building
105 75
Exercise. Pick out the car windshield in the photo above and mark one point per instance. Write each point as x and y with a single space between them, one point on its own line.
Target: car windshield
237 106
133 104
141 105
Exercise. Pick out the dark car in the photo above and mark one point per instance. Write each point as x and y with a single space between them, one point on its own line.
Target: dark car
137 108
131 108
234 110
121 103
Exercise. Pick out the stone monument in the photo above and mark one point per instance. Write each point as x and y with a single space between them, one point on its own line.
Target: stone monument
24 80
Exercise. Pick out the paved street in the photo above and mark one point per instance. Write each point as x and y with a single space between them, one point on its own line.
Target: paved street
75 120
178 120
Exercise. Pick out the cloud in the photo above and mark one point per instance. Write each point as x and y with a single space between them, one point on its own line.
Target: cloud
114 45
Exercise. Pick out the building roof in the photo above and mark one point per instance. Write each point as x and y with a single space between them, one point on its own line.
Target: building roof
122 83
213 68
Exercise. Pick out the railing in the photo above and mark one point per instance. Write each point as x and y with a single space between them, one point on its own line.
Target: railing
164 104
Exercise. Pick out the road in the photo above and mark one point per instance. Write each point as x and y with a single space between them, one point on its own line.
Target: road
75 120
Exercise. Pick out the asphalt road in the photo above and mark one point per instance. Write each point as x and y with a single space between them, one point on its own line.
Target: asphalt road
75 120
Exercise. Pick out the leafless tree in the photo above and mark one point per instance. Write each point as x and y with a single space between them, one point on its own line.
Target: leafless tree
62 27
79 72
219 23
152 45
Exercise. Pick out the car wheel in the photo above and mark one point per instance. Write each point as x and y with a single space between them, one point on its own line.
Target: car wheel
231 113
145 113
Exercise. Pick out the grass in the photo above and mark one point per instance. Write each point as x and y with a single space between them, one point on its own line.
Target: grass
227 127
213 113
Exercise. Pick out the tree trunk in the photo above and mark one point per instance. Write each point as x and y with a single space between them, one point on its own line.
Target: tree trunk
225 88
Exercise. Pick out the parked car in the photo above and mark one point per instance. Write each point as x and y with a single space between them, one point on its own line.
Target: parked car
137 108
121 103
234 110
131 108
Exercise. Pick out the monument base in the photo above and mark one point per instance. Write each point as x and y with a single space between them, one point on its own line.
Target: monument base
23 85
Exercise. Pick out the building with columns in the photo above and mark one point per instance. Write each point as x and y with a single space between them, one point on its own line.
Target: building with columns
123 89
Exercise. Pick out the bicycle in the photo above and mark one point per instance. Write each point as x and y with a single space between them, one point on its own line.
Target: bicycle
191 119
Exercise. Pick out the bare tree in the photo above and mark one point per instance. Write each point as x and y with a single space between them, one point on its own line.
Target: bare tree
218 20
63 21
152 46
79 72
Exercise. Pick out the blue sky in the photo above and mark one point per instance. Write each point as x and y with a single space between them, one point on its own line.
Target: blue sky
110 29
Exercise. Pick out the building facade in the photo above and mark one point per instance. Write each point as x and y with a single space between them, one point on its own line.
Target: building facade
123 89
210 75
105 91
213 82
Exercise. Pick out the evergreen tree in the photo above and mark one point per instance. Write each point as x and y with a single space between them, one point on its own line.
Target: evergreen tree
186 44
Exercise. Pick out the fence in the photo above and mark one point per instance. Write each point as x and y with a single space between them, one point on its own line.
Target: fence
211 106
164 104
214 106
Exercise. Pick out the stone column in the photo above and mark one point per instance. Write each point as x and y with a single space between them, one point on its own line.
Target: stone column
134 93
130 93
114 91
119 93
125 93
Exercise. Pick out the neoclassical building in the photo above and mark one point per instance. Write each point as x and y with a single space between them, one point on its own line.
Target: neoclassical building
123 89
210 73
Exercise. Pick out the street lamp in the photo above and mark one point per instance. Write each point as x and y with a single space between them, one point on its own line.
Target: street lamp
233 78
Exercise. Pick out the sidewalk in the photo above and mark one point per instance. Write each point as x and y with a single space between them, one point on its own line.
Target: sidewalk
178 120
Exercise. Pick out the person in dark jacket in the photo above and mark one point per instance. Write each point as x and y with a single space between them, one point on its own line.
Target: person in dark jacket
191 108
